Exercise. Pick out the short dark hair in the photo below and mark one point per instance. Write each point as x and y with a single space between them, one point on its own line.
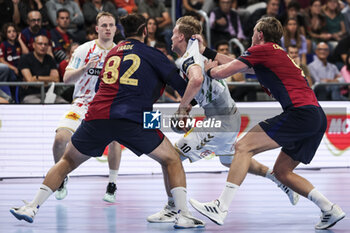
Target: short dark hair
221 42
133 24
62 10
271 28
293 4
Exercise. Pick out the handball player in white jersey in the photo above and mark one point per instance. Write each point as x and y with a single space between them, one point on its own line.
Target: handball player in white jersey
83 70
214 97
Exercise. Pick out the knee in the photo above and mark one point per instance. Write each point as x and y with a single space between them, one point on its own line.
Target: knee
61 140
242 149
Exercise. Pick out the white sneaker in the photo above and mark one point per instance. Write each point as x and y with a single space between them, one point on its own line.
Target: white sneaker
184 221
26 212
166 215
211 210
110 194
293 196
62 192
330 218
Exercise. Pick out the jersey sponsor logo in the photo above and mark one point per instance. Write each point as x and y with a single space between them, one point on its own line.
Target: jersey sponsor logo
187 64
152 120
338 133
94 71
246 54
73 116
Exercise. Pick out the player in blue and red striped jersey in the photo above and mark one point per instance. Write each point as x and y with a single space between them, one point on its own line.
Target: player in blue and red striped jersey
298 129
132 79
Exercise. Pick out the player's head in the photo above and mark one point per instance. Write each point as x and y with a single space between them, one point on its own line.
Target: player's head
134 25
267 29
185 28
105 26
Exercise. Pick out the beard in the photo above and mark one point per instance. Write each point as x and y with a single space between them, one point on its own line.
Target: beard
35 29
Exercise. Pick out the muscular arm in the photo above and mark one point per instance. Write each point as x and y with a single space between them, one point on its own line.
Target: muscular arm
195 77
72 75
228 69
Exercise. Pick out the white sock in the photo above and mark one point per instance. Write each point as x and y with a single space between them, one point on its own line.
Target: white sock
321 201
113 174
171 201
269 174
41 196
227 195
180 198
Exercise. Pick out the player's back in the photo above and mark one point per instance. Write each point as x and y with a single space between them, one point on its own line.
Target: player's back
132 79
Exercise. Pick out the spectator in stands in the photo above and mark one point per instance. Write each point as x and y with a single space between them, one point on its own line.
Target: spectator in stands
335 24
339 54
192 5
293 52
76 26
324 72
26 6
315 23
162 47
293 11
61 40
153 35
91 33
128 5
270 10
38 66
6 75
9 12
345 72
12 47
63 64
156 9
293 36
346 12
34 29
225 23
92 7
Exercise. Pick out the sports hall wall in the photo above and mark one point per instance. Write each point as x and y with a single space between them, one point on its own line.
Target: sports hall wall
27 133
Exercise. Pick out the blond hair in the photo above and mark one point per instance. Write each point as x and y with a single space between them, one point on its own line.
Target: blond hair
189 26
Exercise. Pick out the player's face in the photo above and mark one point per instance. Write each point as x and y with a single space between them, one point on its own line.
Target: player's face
255 37
176 39
11 33
106 28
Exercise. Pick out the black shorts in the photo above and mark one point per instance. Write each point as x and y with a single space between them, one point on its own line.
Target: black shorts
92 137
298 130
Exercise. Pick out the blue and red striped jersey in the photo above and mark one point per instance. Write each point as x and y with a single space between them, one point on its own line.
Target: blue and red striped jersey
279 75
132 79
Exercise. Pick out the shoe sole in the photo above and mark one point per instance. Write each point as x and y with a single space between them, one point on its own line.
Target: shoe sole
21 216
181 227
161 221
200 211
324 228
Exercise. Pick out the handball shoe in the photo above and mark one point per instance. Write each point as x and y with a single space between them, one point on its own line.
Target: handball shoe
62 192
167 214
26 212
330 218
184 221
211 210
110 194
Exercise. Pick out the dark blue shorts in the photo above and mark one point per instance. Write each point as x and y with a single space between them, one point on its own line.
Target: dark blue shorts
92 137
298 130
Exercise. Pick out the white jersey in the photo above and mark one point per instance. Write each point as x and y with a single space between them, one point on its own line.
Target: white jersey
84 89
211 88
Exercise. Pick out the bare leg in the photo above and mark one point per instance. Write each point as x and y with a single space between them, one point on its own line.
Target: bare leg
114 155
283 170
62 137
71 159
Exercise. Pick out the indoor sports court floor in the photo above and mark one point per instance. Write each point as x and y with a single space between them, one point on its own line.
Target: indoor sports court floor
259 205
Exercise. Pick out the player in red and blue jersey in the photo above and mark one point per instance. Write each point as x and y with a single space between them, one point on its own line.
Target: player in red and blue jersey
132 79
298 129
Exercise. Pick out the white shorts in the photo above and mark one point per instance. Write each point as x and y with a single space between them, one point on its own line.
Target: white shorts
196 144
72 118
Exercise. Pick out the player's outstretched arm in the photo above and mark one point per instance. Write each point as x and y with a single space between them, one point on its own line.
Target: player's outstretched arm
226 70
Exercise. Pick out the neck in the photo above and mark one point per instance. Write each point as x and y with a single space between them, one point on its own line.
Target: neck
182 49
11 42
39 56
62 30
105 43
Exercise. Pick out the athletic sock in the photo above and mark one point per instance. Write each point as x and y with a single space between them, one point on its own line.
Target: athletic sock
171 201
41 196
269 174
180 198
321 201
227 195
113 174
